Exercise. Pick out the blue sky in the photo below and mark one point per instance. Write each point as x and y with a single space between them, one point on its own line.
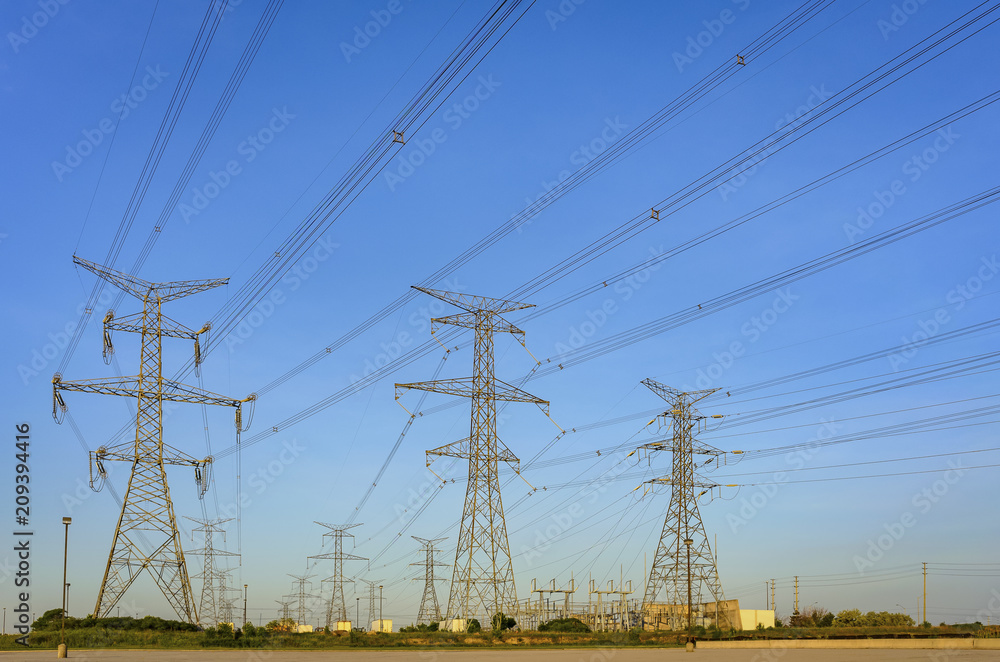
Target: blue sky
552 96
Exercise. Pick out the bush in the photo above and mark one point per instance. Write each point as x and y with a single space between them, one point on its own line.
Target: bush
564 625
473 626
501 622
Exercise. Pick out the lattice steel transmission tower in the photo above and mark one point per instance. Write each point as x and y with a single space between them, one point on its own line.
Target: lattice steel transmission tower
147 508
684 566
430 610
373 585
483 578
302 596
209 608
336 607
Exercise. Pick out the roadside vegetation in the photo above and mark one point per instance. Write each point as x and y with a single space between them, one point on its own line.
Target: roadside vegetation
156 633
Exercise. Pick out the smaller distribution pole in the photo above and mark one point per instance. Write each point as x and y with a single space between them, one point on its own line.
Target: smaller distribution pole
925 592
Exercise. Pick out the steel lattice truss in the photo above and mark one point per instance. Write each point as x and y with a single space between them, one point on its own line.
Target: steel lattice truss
212 599
482 579
684 569
147 509
430 610
336 609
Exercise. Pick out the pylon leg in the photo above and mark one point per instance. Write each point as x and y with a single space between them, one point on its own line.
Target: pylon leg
147 509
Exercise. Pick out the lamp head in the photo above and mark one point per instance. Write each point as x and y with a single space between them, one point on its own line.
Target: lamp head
67 520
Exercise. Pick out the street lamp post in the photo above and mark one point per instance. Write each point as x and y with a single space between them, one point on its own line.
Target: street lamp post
357 610
244 605
62 630
67 598
380 625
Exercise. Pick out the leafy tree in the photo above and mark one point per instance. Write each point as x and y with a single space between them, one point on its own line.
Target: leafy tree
473 626
501 622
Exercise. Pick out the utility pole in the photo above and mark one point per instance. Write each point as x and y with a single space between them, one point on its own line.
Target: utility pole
774 605
245 604
796 610
336 609
684 564
430 610
925 593
209 606
147 509
482 578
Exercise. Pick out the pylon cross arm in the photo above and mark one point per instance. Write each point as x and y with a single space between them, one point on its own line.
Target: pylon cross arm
334 555
134 324
497 324
473 303
129 386
461 449
466 388
125 451
143 289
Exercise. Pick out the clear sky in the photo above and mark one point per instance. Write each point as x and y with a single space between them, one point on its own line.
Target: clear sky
85 86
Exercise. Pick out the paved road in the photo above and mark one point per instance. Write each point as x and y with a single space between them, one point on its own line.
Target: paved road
550 655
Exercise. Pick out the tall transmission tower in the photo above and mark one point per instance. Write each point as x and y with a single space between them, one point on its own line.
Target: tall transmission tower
225 601
373 585
683 566
211 601
482 579
284 614
147 508
302 596
336 608
430 610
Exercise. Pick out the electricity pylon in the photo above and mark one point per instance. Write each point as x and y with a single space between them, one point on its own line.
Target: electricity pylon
209 607
683 565
430 610
336 608
147 508
373 584
226 602
302 596
483 578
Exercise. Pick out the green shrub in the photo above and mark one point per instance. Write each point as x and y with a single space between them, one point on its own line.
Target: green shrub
564 625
